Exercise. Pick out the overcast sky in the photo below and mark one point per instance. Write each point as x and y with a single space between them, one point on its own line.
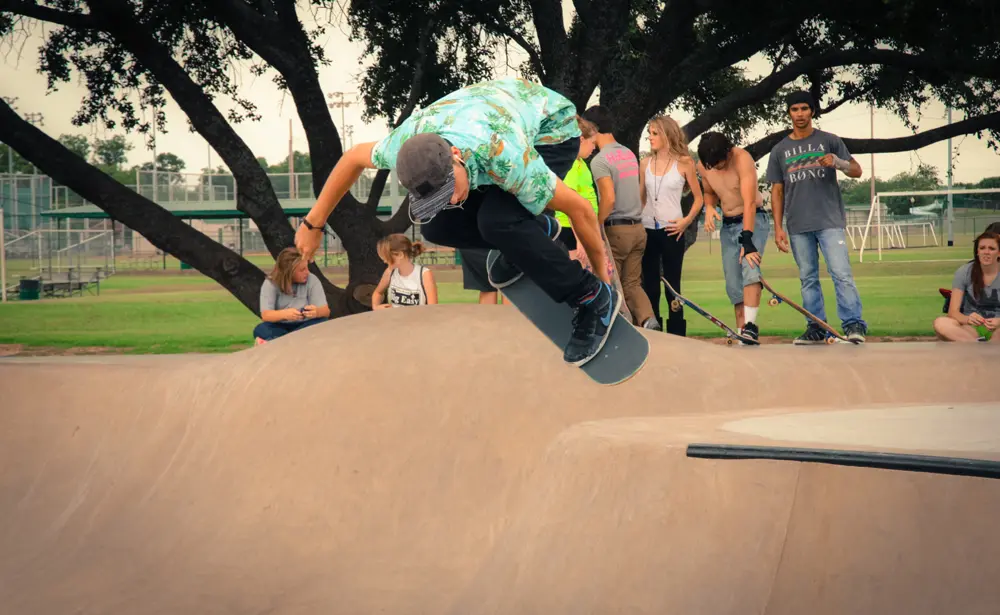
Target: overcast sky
269 137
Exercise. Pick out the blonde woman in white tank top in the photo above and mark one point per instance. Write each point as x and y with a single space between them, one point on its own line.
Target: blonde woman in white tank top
663 175
404 283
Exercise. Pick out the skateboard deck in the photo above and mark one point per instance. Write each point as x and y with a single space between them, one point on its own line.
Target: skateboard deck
624 353
832 335
731 334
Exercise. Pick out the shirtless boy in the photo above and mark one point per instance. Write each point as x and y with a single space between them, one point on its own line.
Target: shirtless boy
730 176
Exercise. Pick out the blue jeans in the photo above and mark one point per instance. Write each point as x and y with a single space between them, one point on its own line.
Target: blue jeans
268 331
833 243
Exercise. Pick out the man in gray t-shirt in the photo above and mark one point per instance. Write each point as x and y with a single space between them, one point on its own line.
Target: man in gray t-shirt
803 174
616 173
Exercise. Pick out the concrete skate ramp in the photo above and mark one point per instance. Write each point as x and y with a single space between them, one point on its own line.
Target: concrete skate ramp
443 459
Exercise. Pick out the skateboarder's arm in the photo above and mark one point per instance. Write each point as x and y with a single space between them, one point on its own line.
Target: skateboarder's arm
606 198
347 171
709 194
748 188
581 216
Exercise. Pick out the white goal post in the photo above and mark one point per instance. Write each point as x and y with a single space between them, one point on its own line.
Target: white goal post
891 233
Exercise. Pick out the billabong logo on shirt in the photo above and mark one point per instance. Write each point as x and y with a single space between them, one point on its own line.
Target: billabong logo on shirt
802 162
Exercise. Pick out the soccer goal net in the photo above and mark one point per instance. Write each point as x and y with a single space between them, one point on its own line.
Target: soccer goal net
922 218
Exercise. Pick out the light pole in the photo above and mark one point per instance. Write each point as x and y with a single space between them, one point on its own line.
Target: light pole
341 104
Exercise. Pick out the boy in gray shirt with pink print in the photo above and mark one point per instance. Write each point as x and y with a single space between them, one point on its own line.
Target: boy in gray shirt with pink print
803 174
616 172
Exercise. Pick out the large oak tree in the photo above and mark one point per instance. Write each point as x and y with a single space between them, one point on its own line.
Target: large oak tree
645 56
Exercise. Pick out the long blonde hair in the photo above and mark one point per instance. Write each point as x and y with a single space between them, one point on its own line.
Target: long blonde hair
677 142
398 243
284 268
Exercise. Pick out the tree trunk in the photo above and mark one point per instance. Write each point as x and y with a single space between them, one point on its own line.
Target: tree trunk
164 230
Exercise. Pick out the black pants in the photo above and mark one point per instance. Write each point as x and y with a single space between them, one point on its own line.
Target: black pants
493 218
668 251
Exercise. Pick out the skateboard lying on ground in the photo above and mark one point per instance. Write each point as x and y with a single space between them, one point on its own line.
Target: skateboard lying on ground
624 353
731 334
832 335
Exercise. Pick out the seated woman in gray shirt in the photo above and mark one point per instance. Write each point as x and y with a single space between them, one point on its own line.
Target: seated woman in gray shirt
290 298
974 308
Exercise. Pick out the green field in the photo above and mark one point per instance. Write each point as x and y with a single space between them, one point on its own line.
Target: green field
170 312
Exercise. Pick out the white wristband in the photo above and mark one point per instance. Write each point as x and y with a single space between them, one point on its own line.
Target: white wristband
843 165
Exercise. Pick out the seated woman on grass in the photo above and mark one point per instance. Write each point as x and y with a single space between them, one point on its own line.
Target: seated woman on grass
975 296
404 283
290 298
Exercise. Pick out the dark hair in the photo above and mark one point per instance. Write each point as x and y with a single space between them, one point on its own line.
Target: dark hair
713 148
977 267
600 117
799 97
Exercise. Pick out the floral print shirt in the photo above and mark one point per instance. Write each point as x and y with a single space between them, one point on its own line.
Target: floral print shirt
496 125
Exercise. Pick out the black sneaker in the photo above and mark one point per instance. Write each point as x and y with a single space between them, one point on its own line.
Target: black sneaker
751 331
652 323
812 335
592 324
503 273
855 332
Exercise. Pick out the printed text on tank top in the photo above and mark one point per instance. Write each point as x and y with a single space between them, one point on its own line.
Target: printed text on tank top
663 194
407 290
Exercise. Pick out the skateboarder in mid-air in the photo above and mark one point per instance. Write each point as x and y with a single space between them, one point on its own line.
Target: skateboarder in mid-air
481 165
730 176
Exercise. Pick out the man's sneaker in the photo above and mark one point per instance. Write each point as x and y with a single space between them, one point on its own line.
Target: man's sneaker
812 335
652 323
855 332
751 331
502 272
592 324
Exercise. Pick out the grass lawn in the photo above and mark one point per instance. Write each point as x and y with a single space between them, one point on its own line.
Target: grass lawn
169 313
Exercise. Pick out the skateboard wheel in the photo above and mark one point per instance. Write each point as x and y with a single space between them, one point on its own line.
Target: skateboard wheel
729 341
773 301
675 306
831 340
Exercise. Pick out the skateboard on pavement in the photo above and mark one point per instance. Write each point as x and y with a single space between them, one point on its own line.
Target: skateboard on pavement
731 334
832 335
624 353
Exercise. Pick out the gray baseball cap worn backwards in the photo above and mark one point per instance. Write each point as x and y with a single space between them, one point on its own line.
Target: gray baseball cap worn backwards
425 168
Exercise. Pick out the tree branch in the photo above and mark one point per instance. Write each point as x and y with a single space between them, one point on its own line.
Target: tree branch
416 89
400 221
552 40
255 194
164 230
989 121
533 56
846 99
770 85
79 21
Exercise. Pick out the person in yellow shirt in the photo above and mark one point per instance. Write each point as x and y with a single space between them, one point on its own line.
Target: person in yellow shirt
581 181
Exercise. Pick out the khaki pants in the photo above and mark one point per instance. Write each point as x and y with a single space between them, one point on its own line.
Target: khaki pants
628 242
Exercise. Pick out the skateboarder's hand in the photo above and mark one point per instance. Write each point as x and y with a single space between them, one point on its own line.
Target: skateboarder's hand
781 239
711 215
307 241
753 259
